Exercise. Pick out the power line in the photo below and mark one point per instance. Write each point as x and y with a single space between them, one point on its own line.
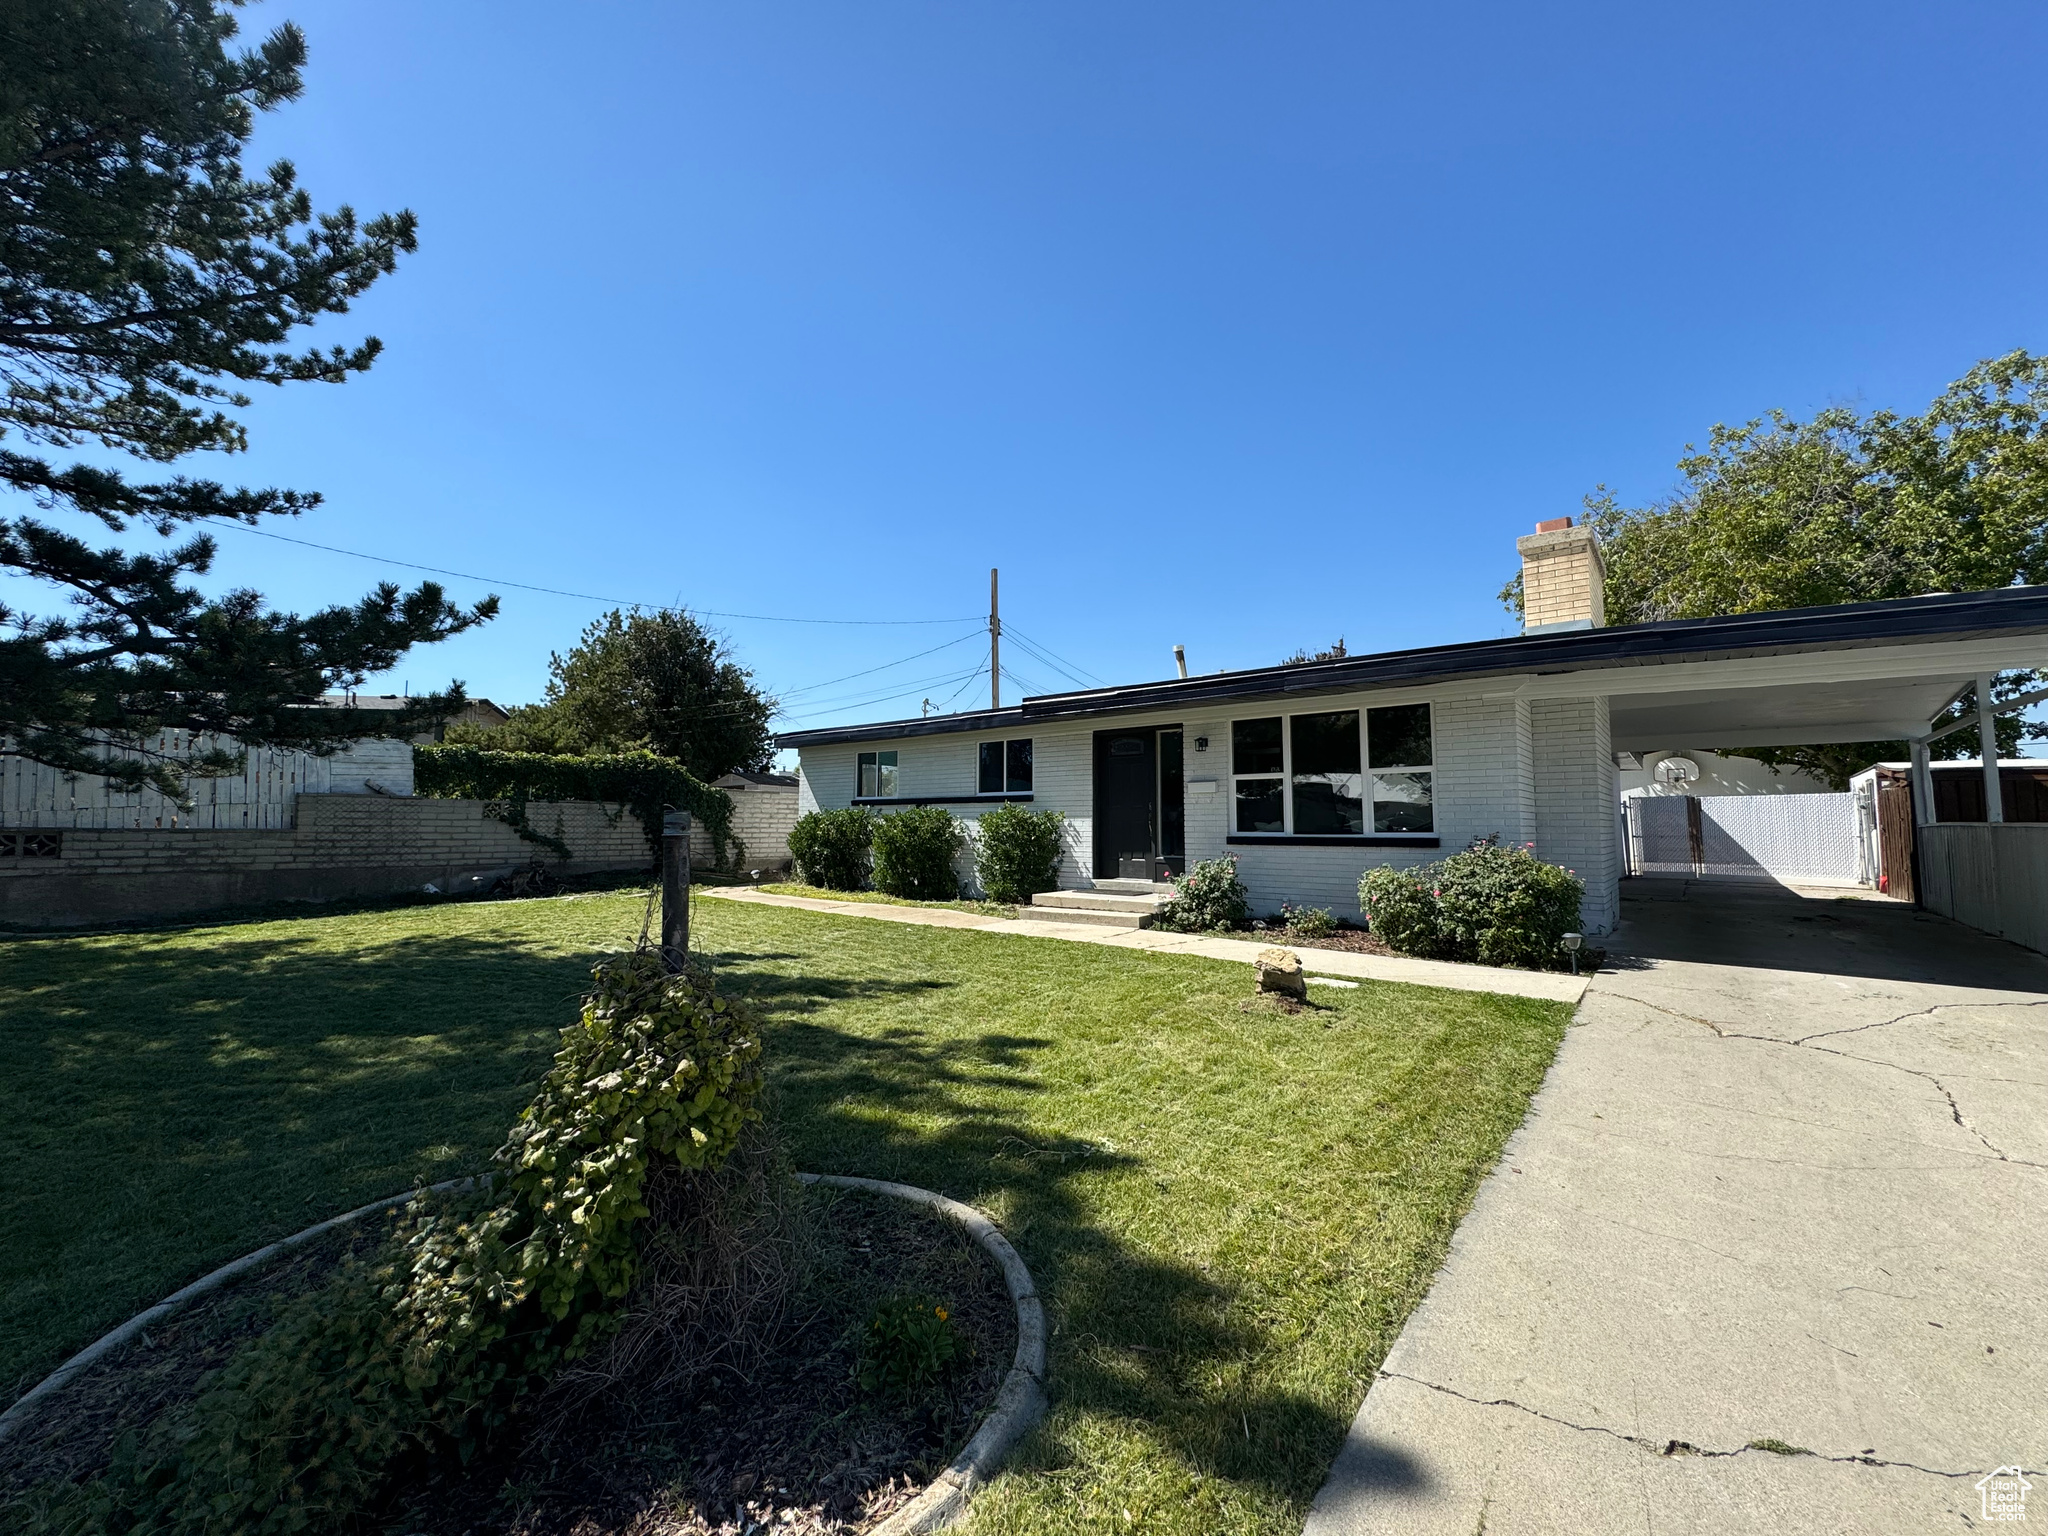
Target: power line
885 666
589 597
833 707
851 700
960 690
1052 658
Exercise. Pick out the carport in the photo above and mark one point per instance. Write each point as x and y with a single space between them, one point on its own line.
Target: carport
1857 672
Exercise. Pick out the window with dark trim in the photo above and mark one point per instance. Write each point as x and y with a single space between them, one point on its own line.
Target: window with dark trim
1337 773
876 778
1006 766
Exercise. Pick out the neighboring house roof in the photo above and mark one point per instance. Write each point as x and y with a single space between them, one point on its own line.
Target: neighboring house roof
749 779
2005 613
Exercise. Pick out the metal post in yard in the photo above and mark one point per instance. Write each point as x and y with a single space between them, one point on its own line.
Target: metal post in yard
675 890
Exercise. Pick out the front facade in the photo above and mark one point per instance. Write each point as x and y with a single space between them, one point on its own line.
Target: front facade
1310 774
1305 793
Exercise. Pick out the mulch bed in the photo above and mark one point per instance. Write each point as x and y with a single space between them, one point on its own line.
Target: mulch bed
793 1444
71 1434
1355 941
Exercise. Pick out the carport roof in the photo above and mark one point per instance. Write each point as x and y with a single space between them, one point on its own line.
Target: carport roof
1650 703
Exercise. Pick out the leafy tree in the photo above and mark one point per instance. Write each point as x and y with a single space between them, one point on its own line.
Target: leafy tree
144 281
1847 508
657 682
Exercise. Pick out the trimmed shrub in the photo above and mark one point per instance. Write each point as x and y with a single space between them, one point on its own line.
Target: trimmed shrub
1208 896
832 848
1017 852
430 1344
1400 906
914 852
1490 905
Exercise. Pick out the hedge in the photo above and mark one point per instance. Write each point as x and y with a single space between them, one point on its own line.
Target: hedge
913 852
644 782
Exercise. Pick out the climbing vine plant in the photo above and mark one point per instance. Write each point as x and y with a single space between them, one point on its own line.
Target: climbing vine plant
645 783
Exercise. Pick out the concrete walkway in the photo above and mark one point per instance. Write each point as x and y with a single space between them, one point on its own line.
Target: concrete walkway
1317 962
1786 1186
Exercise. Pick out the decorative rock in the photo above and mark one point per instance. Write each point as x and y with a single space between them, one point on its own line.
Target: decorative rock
1280 971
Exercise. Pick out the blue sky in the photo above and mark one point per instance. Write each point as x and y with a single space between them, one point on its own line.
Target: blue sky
1240 326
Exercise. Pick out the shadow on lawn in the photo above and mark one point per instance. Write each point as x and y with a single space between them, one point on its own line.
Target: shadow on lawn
171 1106
176 1106
1143 1340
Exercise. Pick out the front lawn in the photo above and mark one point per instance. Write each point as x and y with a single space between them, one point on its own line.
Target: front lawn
1229 1212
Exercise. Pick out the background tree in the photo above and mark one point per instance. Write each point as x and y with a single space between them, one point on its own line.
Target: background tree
1303 654
1847 508
143 281
658 681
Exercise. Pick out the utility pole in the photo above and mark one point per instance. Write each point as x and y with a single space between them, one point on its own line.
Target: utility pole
995 645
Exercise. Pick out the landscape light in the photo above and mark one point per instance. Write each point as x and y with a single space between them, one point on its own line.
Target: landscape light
1571 942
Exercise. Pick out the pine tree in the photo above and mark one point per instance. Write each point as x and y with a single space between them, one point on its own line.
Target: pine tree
145 280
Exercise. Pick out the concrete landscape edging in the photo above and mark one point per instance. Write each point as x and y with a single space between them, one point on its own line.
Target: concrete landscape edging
1020 1400
1018 1404
16 1413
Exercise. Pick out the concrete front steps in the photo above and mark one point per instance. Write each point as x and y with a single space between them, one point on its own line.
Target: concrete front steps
1109 904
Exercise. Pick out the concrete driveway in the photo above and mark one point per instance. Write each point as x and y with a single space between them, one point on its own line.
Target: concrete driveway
1769 1254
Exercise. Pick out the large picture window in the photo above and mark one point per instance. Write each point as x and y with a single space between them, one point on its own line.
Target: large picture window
876 779
1340 773
1006 766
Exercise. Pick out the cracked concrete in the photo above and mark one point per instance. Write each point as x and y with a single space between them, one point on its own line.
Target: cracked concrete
1783 1189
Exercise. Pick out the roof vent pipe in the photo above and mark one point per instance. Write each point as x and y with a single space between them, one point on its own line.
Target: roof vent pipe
1180 659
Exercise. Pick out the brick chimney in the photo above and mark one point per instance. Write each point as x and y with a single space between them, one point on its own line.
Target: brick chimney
1564 580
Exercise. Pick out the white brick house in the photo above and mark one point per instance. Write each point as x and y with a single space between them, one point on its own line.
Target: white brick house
1309 774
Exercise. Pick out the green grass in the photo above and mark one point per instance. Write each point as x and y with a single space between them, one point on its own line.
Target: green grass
1229 1212
821 893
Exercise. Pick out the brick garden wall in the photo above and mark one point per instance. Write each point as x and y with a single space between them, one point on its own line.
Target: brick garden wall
762 816
341 846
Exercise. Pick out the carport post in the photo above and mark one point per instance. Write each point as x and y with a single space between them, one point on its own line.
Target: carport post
1923 784
1987 746
675 889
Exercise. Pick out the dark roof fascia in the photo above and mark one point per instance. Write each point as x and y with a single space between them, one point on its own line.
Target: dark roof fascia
1908 620
1913 620
888 730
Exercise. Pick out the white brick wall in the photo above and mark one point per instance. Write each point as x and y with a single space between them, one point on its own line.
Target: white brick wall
1486 782
762 815
1577 808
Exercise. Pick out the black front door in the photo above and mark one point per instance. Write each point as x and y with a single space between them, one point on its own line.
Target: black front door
1126 799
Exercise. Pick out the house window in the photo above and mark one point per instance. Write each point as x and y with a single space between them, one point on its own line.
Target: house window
1402 752
1006 766
877 779
1258 775
1326 771
1342 773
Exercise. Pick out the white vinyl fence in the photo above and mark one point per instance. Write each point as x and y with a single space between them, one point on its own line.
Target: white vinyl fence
261 796
1808 839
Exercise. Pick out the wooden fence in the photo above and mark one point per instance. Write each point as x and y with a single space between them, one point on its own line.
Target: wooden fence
1991 875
